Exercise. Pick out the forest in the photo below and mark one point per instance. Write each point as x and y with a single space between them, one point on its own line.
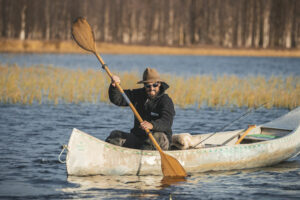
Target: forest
272 24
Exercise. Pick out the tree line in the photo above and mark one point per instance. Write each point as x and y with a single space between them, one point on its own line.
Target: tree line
220 23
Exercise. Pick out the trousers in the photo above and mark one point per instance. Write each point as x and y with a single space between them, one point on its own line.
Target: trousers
130 140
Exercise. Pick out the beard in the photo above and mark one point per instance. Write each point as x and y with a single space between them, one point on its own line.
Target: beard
152 94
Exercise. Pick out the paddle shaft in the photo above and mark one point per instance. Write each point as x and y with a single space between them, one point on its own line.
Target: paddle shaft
136 114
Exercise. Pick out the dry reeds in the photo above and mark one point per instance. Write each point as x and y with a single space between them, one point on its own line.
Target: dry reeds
41 84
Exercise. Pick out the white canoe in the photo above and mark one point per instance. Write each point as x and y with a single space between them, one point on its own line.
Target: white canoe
88 155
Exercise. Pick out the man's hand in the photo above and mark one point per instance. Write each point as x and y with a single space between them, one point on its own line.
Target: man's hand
115 79
146 125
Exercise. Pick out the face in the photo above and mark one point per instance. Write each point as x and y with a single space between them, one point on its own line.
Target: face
152 88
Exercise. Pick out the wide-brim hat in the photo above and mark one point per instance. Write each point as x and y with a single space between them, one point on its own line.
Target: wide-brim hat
150 76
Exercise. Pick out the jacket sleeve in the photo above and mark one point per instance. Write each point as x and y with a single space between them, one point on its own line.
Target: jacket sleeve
116 97
166 112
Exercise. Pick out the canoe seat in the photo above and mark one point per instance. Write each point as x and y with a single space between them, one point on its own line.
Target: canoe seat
258 138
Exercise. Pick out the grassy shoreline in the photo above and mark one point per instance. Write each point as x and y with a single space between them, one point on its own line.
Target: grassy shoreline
39 84
38 46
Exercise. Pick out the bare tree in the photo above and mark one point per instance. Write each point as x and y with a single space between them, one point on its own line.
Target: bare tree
224 23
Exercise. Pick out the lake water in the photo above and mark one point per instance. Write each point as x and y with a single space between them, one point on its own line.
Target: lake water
31 136
180 65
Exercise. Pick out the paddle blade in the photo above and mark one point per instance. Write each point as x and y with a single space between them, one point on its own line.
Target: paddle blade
171 167
83 34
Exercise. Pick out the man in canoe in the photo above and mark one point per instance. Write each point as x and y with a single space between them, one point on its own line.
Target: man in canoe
154 106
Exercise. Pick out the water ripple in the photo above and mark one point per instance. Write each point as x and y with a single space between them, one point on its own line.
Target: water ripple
31 139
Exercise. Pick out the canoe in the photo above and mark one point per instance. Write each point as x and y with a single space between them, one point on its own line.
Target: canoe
264 145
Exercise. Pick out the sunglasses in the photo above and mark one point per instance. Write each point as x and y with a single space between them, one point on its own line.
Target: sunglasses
151 85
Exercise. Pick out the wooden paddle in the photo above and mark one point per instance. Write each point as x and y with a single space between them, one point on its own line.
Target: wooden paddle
84 37
245 132
250 127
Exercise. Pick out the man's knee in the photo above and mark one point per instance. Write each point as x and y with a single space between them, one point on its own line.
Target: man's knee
162 140
117 137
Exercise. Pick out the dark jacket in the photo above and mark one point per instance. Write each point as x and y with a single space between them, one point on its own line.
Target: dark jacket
158 111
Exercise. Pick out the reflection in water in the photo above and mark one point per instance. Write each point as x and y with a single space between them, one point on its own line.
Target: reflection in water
283 167
137 186
125 182
166 181
156 187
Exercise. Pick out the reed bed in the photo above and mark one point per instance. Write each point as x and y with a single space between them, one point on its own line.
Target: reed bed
42 84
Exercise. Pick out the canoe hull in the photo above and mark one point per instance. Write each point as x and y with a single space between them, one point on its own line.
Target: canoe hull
88 155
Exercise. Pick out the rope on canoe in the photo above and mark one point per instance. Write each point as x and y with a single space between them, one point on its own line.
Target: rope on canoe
62 151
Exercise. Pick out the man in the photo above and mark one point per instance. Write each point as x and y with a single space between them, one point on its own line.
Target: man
154 106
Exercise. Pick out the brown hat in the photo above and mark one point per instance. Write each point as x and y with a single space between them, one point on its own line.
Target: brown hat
150 75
